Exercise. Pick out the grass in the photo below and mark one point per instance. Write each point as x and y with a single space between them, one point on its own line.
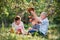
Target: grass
53 34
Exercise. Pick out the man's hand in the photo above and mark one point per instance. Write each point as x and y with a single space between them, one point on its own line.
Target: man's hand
30 9
32 12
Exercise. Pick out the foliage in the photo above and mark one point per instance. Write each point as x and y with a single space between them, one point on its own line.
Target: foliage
53 34
57 9
10 8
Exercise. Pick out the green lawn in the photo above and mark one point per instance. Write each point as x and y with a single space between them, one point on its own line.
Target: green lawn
53 34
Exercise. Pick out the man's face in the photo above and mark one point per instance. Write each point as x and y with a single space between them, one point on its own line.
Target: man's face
43 16
17 22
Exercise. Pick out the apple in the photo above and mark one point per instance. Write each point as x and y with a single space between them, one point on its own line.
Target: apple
19 31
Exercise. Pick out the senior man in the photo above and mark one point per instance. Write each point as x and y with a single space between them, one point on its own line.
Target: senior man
43 24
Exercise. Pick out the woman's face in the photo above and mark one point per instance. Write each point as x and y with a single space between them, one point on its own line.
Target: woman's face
17 22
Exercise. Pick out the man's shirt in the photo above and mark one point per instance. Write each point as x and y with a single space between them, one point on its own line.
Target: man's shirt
44 25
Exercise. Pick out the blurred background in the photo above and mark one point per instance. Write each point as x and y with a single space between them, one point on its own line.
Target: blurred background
10 8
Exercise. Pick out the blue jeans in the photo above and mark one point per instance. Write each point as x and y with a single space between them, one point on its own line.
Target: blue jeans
37 26
32 31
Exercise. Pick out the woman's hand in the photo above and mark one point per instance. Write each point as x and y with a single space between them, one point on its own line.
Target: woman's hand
11 30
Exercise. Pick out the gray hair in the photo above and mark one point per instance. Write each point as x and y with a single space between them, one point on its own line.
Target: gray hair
44 13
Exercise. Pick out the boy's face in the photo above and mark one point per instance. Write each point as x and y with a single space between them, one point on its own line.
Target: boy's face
43 16
17 22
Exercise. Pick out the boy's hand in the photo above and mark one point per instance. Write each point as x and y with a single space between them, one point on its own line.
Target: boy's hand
30 28
30 20
34 22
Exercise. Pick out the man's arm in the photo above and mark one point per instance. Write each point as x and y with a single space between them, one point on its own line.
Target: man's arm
35 16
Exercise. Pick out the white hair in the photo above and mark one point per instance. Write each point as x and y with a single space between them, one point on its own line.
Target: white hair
44 13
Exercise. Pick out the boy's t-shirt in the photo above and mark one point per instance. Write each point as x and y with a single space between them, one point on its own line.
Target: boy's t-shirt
37 26
16 27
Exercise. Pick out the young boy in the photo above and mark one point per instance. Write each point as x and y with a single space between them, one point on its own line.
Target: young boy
18 25
35 27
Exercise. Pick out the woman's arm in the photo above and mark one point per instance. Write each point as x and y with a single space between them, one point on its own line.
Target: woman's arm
23 29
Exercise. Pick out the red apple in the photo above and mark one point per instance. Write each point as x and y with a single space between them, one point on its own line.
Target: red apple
19 31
